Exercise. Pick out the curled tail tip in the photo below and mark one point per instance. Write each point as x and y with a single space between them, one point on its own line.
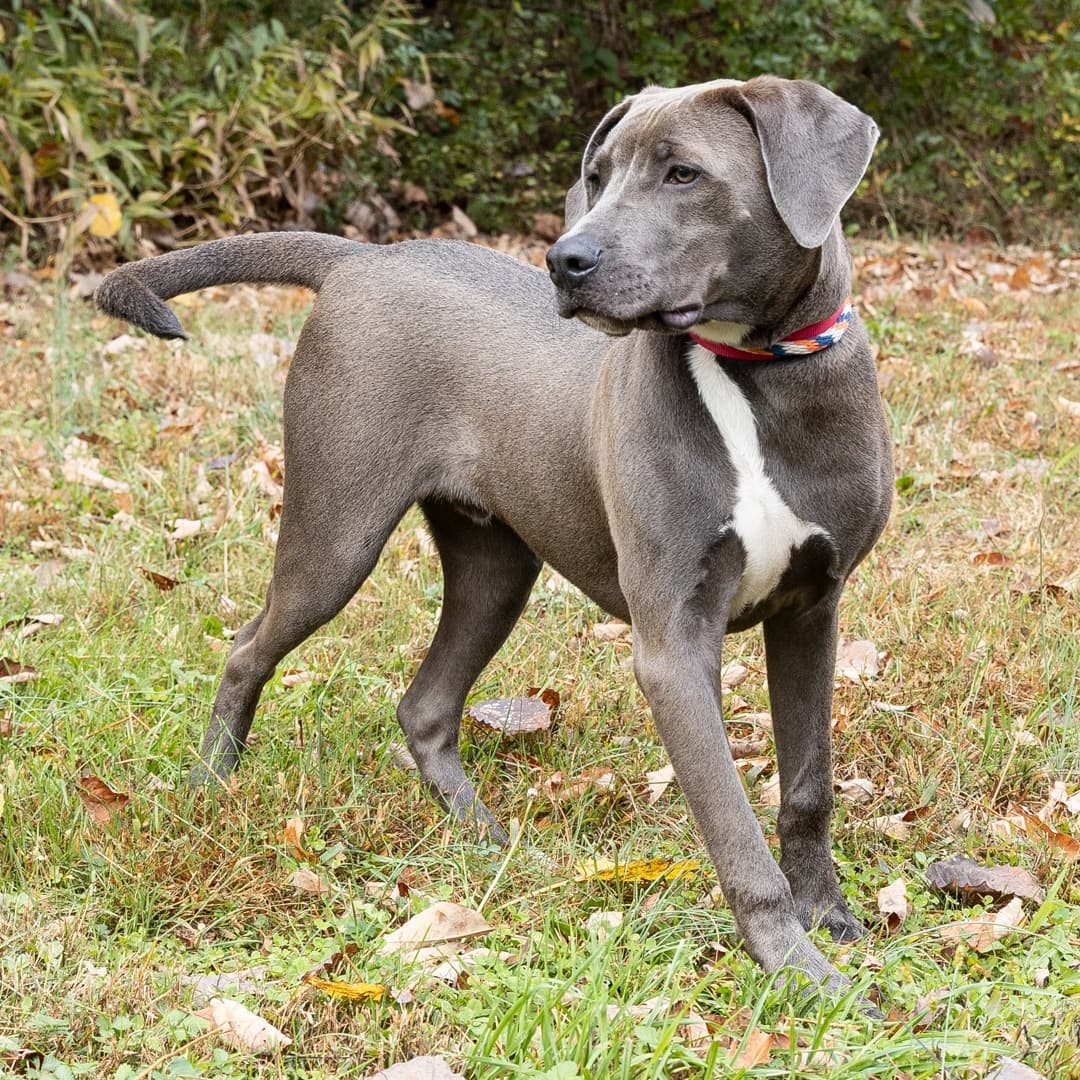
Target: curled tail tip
126 298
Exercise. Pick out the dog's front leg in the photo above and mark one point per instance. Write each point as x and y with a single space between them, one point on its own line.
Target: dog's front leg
800 652
677 668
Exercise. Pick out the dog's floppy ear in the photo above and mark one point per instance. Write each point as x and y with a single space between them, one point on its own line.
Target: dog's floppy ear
816 148
603 130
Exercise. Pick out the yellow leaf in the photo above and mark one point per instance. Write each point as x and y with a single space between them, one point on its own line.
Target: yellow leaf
640 870
349 991
106 221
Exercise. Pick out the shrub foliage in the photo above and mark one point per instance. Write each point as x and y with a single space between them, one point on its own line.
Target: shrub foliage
203 118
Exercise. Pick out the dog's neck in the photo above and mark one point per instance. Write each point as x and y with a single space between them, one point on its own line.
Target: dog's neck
818 310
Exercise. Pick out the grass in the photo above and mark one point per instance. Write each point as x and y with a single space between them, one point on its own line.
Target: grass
973 715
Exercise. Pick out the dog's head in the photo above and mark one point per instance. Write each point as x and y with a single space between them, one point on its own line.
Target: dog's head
694 204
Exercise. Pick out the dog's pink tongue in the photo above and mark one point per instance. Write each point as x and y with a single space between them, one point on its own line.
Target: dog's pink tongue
682 319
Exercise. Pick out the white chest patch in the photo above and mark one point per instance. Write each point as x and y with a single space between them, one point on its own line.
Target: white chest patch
766 525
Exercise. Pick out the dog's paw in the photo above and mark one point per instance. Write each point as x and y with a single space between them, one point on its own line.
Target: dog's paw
834 916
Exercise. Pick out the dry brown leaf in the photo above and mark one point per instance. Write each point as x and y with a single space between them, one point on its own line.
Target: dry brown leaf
513 716
307 880
163 583
733 674
100 801
746 748
418 1068
898 826
444 921
857 660
658 781
32 624
185 528
991 559
1011 1069
610 631
295 677
893 903
242 1029
966 878
85 472
1068 407
602 923
1067 845
557 788
756 1049
983 934
638 871
856 790
769 792
11 671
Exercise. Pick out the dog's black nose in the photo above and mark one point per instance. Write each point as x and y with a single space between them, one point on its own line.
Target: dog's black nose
572 259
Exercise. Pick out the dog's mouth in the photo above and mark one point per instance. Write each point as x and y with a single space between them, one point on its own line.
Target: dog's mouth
670 321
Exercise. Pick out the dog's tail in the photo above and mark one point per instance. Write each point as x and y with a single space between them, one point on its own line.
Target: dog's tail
135 292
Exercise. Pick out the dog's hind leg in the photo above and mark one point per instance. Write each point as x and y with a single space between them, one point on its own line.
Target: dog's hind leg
487 572
322 558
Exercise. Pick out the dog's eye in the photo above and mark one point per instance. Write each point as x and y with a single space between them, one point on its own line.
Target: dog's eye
681 174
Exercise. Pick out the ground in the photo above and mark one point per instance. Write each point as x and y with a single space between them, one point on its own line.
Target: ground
139 485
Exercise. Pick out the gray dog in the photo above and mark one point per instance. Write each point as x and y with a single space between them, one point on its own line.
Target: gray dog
720 459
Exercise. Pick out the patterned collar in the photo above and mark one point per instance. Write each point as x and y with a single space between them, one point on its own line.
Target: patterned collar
810 339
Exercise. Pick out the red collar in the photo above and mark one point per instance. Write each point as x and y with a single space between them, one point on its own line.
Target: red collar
810 339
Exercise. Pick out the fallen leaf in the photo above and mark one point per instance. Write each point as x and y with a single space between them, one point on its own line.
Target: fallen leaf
348 991
31 624
443 921
982 934
11 671
401 755
107 217
294 831
893 903
769 792
100 801
602 923
1069 846
964 877
418 1068
307 880
7 728
857 660
898 826
746 748
295 677
637 871
610 631
756 1049
463 222
418 95
1011 1069
165 584
185 528
558 789
547 695
204 987
513 716
733 674
1068 407
991 559
658 781
857 790
85 471
243 1029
